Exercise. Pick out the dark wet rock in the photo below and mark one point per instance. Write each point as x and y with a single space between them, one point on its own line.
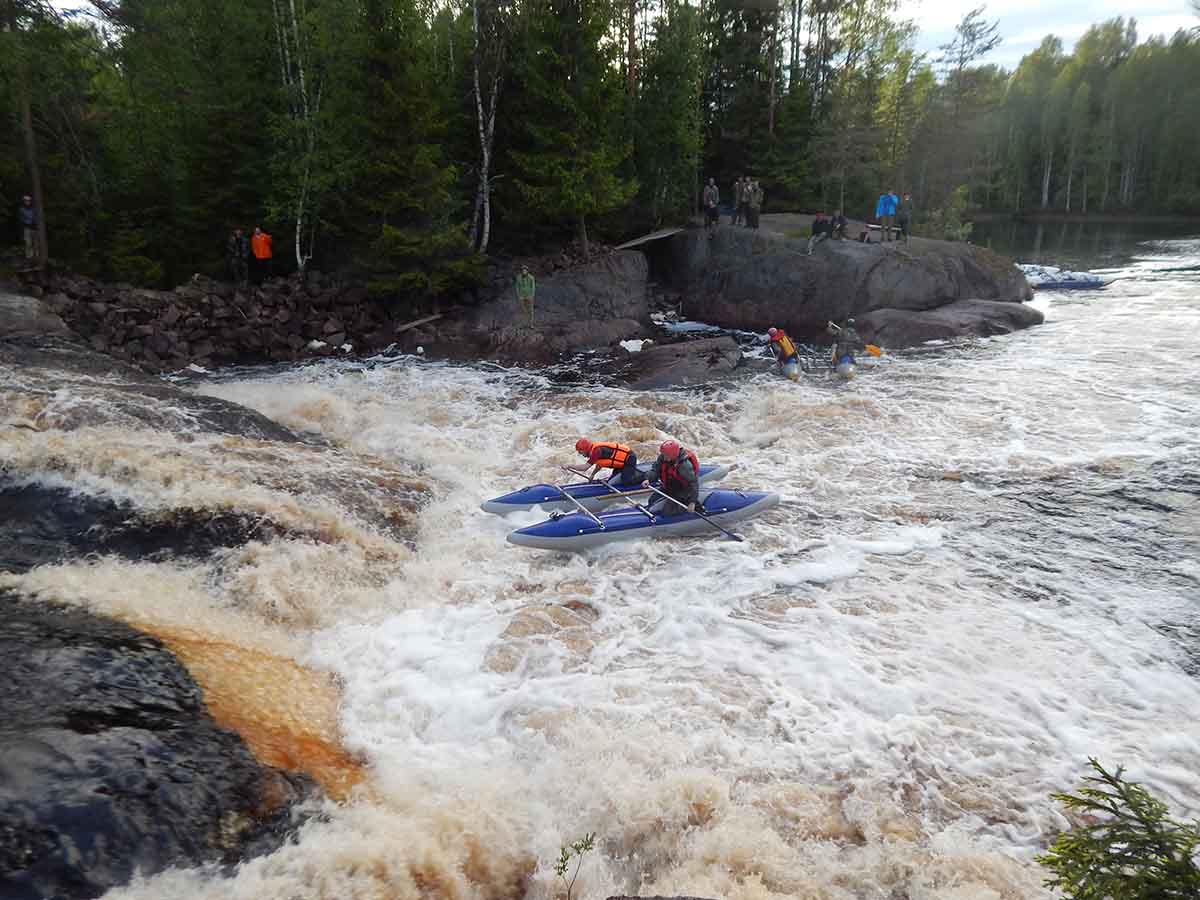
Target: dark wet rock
22 317
110 763
62 364
586 306
41 525
747 279
964 318
677 365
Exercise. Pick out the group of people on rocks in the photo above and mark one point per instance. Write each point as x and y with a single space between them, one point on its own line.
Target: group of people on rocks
249 258
747 203
677 471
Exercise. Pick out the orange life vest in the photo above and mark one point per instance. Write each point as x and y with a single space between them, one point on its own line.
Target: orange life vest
609 455
786 347
668 472
260 246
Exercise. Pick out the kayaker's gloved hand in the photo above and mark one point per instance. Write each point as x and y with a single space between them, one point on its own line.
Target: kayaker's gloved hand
645 484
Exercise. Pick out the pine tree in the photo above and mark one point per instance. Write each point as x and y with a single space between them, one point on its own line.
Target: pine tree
569 163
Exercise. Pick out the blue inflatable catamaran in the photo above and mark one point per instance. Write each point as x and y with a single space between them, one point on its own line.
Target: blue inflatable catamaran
592 495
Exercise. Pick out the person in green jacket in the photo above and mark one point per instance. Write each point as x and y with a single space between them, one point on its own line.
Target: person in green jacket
525 290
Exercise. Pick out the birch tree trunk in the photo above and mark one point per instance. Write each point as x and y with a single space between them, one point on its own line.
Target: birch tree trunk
1046 170
485 120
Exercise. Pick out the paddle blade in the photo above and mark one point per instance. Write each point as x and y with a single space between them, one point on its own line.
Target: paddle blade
874 351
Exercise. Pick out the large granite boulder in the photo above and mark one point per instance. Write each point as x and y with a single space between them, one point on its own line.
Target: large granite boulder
27 316
677 365
110 764
753 279
586 306
963 318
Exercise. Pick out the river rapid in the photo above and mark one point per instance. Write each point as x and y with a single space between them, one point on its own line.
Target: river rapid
985 569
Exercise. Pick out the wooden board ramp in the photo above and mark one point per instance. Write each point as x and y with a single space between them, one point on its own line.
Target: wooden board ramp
416 322
646 238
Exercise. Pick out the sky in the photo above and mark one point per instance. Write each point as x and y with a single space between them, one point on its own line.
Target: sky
1023 23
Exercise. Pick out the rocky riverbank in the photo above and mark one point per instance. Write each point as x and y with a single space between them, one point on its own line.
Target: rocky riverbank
752 279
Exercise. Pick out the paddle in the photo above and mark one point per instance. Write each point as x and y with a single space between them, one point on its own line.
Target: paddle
683 506
649 515
873 350
605 483
583 509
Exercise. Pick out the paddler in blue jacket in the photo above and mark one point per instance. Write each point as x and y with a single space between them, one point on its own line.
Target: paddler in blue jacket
610 455
678 473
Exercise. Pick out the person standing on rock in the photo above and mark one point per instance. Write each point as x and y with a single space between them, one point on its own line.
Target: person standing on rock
712 212
885 211
821 229
742 217
678 473
904 215
237 253
526 287
756 202
260 250
27 216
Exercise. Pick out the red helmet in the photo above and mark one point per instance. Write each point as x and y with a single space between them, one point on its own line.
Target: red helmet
669 449
773 333
584 446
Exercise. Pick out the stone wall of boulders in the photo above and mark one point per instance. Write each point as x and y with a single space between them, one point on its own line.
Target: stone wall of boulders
209 322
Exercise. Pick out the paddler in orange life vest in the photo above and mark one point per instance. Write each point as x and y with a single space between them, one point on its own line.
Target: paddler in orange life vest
678 473
785 352
610 455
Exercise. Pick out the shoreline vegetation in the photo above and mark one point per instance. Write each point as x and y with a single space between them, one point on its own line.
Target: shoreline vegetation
405 144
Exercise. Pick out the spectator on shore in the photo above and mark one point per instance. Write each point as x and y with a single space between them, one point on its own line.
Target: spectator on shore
712 212
743 204
260 258
821 228
904 215
838 225
27 215
755 205
885 212
526 287
237 255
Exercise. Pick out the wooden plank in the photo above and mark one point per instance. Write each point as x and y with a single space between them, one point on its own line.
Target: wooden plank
415 323
654 236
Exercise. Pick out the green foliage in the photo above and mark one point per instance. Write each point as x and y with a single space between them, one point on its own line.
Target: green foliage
1125 846
948 222
576 852
667 115
569 165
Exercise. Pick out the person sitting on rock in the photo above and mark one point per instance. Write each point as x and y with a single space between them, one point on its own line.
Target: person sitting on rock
838 225
678 473
610 455
786 354
846 342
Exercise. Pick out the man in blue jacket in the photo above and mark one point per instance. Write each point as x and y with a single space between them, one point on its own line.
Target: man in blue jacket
885 212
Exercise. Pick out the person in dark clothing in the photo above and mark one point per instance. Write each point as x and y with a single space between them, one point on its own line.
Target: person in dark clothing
904 215
27 215
237 255
846 341
678 473
820 230
838 225
618 458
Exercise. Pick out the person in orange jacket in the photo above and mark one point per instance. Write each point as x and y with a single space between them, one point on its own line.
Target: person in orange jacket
260 254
